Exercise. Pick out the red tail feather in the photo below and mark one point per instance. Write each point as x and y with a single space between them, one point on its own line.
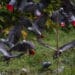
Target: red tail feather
73 23
31 52
10 8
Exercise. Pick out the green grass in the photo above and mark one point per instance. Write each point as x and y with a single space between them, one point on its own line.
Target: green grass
33 63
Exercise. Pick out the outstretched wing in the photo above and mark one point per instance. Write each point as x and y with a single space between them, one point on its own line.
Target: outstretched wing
17 47
67 46
6 53
63 48
14 34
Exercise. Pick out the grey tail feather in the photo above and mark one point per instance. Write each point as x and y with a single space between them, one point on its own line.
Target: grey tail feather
17 55
6 58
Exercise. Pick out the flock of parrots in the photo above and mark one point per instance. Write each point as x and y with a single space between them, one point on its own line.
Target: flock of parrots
64 16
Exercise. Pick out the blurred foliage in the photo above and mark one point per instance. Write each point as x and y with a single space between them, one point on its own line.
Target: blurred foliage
55 4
